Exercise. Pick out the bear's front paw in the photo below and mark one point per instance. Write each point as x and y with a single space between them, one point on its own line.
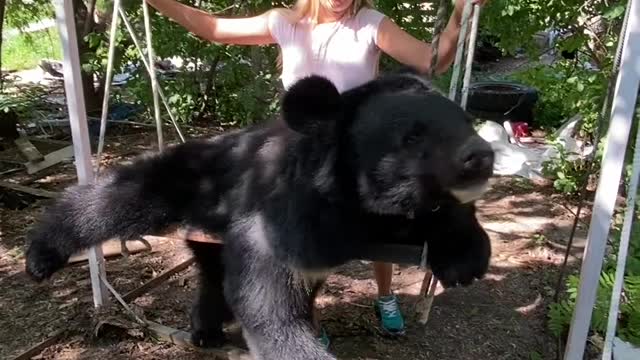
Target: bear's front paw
455 274
208 339
461 267
42 262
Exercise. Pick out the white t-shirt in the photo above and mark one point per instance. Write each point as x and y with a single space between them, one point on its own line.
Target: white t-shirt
345 51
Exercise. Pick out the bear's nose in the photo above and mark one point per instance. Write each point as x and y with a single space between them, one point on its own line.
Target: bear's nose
476 157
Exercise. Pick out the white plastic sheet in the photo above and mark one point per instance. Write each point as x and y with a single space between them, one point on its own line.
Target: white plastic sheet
526 160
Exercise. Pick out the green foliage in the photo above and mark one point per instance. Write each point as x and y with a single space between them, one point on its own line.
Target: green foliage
567 173
416 17
629 321
560 313
20 13
566 89
534 355
95 59
228 85
633 261
629 314
516 22
24 51
235 85
560 317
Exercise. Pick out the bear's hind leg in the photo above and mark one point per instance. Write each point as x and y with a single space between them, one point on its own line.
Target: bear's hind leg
273 305
210 309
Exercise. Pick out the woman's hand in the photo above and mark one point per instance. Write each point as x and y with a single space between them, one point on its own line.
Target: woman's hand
410 51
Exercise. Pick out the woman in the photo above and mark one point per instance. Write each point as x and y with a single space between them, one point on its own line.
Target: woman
341 40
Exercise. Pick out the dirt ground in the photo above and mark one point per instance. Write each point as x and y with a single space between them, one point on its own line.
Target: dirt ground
500 317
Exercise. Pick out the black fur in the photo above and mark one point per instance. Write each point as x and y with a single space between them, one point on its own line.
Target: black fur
336 176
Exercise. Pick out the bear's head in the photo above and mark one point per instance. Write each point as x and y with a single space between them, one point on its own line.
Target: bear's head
409 147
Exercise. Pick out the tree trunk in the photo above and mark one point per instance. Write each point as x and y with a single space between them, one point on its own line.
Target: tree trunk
99 22
209 92
3 4
88 19
84 26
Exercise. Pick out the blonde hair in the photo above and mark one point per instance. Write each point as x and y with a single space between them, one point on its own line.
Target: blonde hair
311 9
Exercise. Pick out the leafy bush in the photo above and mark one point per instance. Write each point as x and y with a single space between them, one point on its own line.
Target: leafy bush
25 50
518 23
629 314
588 30
566 89
568 174
20 13
225 85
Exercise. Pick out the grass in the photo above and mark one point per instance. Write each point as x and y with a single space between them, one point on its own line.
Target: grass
24 51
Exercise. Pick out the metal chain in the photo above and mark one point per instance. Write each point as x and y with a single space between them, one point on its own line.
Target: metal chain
441 16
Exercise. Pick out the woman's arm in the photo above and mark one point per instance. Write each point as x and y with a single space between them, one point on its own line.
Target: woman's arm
237 31
410 51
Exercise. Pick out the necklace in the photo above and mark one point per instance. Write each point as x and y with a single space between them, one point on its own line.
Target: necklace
321 53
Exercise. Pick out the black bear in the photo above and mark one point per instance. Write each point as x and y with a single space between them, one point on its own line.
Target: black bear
337 177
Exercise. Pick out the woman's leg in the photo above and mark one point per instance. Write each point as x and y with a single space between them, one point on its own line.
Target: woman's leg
384 274
387 304
319 331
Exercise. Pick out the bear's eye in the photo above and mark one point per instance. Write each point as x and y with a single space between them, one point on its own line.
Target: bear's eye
415 135
410 139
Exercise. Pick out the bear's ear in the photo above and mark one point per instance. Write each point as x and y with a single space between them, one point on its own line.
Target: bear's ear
312 106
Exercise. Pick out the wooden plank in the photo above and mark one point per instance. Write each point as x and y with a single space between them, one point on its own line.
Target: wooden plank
197 235
38 348
183 338
29 190
206 239
9 160
28 149
36 140
50 160
156 281
182 234
112 248
10 171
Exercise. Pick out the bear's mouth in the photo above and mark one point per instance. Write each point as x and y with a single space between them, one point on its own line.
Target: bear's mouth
470 193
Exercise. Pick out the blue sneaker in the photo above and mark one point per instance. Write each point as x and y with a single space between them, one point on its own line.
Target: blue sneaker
324 339
388 311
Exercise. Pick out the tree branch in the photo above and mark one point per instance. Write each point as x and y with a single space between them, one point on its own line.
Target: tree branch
88 21
3 4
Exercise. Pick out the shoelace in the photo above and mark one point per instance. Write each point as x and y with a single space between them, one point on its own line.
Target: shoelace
389 307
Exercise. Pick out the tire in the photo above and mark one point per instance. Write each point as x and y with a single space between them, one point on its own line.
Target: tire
499 100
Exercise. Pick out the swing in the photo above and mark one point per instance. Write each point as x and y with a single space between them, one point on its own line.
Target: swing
430 282
403 254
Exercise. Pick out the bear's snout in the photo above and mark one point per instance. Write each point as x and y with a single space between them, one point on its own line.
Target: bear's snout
475 160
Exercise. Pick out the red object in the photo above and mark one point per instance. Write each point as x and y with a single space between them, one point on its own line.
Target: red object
520 129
